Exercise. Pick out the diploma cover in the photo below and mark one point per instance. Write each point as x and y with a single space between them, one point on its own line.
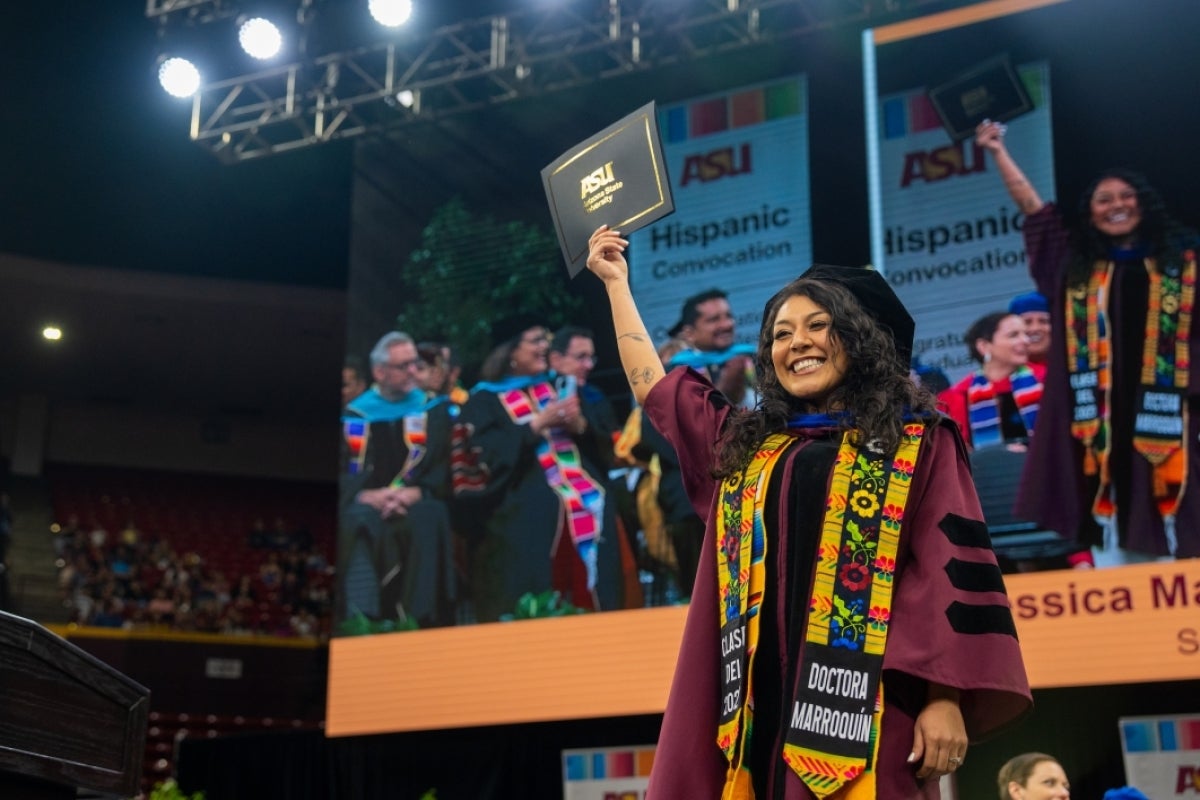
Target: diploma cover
990 90
616 177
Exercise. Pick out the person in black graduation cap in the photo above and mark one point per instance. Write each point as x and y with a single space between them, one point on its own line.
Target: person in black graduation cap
848 633
542 517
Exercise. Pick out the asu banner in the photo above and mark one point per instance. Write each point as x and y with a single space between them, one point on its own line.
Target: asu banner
738 165
607 773
952 245
1162 755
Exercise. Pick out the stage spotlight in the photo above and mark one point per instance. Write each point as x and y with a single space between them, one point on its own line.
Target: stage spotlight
179 77
390 13
52 333
260 37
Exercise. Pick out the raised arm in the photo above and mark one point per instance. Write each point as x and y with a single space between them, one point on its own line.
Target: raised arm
639 359
990 136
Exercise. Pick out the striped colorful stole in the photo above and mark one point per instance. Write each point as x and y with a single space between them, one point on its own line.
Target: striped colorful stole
833 728
741 579
1160 412
356 432
984 411
415 443
371 407
581 496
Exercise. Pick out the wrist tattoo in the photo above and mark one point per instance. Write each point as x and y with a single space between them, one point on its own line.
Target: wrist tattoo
637 337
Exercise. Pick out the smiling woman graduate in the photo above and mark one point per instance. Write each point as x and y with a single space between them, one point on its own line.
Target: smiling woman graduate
849 633
1120 411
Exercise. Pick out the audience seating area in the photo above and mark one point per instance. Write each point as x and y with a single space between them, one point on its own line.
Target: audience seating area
194 552
165 730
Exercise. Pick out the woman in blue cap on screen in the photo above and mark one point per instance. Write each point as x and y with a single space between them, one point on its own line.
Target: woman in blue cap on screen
1034 310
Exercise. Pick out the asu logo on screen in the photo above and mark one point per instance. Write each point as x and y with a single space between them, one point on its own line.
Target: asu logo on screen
1187 782
597 188
942 163
724 162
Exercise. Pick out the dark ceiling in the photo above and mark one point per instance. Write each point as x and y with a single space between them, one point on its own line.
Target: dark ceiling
208 348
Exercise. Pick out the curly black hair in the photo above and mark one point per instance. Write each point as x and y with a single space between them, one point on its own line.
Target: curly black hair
876 390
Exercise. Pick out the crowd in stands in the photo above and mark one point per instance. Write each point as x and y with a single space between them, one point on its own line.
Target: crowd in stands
212 578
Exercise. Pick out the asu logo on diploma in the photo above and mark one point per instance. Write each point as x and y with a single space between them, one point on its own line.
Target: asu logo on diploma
989 90
597 180
599 187
616 177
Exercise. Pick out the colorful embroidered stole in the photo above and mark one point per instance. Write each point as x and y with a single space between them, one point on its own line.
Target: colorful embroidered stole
581 496
835 714
741 578
1161 408
983 409
833 731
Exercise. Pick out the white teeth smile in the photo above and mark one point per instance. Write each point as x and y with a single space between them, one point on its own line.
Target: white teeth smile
807 364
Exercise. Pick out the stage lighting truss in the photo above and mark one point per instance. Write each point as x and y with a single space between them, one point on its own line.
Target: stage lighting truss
470 65
197 11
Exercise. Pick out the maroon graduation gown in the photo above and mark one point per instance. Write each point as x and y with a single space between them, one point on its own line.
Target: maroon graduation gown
945 627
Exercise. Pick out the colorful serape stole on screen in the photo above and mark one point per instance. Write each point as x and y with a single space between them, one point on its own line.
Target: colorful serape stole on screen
983 410
371 407
833 730
415 444
741 578
356 433
582 497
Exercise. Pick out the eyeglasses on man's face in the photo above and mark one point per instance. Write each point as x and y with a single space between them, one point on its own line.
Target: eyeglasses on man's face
403 365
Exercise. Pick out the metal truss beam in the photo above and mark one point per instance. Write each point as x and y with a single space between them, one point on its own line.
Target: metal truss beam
483 62
194 10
